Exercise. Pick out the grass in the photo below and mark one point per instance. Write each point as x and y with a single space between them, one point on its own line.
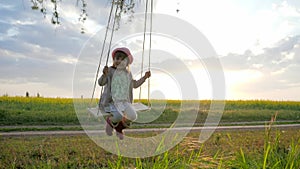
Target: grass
244 149
225 149
36 111
60 111
273 155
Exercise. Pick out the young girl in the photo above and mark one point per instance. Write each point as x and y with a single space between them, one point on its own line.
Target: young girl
117 95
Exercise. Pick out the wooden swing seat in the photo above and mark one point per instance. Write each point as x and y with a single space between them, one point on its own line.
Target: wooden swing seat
96 112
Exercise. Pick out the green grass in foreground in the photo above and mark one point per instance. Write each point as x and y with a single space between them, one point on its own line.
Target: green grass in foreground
60 111
244 149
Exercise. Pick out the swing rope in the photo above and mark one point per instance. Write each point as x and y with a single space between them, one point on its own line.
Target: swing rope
103 47
150 46
144 40
112 33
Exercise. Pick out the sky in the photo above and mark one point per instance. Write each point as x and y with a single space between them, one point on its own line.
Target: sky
256 42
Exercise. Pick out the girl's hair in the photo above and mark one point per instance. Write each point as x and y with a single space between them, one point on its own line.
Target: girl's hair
128 68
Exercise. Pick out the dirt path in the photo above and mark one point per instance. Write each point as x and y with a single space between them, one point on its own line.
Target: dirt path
151 125
194 129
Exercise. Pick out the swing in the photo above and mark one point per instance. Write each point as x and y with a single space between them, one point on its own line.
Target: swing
138 106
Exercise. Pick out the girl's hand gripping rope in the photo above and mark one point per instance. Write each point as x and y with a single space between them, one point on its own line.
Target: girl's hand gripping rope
105 70
147 75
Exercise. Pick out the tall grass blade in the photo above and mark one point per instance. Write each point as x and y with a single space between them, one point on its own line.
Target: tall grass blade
243 155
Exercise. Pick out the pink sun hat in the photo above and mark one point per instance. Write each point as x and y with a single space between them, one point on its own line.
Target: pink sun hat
124 50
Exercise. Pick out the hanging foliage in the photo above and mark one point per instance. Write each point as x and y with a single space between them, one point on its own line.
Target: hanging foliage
55 18
125 7
83 15
40 5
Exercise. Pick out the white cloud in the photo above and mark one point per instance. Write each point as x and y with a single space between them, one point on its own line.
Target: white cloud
278 72
68 60
14 31
23 22
286 56
6 7
11 54
286 10
257 66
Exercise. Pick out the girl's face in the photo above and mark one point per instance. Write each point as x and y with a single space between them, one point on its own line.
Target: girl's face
121 60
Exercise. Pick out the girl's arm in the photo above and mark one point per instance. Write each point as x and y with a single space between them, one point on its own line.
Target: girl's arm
103 79
138 83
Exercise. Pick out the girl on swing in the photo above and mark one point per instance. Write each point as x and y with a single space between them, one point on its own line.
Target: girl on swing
117 95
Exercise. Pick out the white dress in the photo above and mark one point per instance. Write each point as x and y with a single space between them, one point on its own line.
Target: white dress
120 89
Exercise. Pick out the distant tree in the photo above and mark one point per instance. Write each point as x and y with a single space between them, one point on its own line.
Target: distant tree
38 95
27 94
